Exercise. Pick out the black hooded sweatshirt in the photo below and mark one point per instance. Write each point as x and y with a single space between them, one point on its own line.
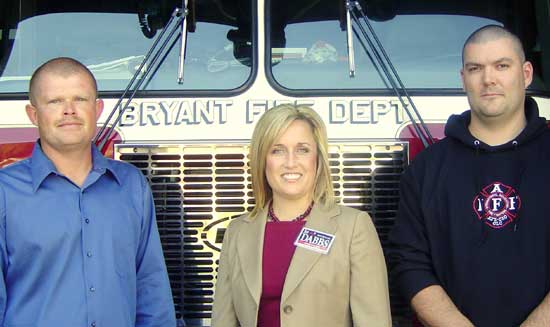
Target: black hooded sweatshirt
475 219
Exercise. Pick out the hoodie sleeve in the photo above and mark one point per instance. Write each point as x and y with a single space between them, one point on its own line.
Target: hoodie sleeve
409 253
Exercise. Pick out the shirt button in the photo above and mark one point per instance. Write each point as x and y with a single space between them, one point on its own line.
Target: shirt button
92 289
93 324
87 220
287 309
89 254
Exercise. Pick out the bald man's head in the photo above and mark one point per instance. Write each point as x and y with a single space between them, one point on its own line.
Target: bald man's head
491 33
62 66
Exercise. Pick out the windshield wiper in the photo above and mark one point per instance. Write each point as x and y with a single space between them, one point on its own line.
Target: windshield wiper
183 44
149 64
385 64
349 38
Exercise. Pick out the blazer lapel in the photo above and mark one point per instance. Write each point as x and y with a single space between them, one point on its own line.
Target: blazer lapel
303 260
250 250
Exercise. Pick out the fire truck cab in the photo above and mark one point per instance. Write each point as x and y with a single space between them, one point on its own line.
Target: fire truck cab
185 81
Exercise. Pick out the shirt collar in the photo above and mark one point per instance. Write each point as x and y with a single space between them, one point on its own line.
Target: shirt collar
102 164
41 166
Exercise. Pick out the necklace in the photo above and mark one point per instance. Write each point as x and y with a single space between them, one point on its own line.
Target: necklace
272 217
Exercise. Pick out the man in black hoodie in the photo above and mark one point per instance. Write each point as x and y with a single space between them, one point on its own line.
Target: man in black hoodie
471 244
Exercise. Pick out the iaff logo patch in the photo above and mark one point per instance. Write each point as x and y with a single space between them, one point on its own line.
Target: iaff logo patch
497 204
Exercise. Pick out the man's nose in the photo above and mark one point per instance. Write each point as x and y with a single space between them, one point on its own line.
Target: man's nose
69 108
489 76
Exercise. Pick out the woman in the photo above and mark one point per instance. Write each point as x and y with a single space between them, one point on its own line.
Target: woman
298 259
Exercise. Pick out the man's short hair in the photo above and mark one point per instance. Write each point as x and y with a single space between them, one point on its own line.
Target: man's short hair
63 66
494 32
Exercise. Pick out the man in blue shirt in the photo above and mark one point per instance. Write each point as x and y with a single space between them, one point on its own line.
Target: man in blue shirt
79 245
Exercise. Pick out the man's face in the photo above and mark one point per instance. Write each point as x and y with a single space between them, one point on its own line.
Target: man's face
495 78
65 110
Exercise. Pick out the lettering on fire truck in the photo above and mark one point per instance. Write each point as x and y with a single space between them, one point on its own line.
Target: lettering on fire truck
195 112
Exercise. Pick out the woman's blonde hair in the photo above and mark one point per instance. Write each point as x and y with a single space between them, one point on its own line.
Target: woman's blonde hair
269 128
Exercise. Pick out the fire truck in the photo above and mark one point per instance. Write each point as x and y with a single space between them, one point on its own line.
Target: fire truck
185 81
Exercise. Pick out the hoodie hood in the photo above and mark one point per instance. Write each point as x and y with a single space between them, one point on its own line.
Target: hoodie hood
457 128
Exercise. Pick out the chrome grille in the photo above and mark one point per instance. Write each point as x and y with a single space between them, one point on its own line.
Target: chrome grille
198 189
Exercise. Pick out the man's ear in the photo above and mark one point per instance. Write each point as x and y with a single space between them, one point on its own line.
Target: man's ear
32 114
98 108
527 73
462 79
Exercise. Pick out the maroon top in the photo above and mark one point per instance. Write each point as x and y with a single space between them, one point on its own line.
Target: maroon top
279 247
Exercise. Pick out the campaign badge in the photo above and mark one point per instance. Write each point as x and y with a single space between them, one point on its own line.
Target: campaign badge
314 240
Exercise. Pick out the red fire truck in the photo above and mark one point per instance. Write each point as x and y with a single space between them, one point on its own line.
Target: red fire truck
187 80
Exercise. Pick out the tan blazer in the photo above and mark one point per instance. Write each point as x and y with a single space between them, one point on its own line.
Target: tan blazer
346 287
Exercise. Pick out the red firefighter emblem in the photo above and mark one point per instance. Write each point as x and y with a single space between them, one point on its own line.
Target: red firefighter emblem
497 205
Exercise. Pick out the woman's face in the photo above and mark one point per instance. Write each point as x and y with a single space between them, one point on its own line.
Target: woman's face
291 164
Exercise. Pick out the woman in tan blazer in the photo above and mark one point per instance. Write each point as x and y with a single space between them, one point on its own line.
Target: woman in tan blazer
298 259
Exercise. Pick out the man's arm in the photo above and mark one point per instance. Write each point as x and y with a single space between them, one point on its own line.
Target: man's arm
433 307
410 258
540 316
409 253
154 306
3 256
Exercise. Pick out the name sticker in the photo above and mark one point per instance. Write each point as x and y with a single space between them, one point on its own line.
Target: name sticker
314 240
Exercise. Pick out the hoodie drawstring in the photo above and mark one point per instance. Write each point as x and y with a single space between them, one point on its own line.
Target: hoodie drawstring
484 231
516 184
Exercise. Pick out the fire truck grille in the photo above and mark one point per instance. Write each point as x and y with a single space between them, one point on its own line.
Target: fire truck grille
198 189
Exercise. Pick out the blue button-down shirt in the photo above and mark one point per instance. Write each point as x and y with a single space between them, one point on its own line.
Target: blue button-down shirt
80 256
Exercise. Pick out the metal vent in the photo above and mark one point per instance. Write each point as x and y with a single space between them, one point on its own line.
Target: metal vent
198 189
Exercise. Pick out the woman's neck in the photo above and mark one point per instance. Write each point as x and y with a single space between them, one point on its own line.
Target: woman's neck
287 210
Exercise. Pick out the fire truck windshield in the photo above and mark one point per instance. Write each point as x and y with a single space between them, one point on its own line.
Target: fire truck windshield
423 39
112 42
